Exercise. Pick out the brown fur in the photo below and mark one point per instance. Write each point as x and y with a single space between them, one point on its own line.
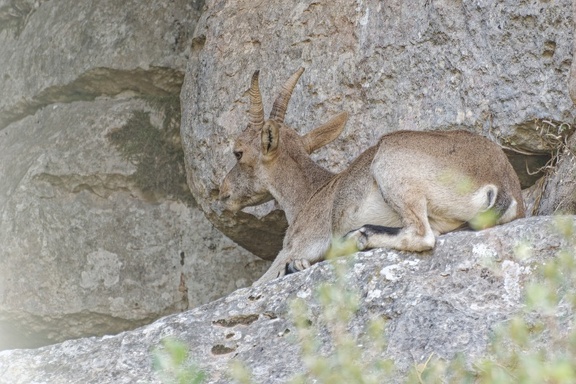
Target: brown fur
425 183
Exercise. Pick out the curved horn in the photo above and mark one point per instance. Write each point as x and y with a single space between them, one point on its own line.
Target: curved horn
256 111
281 103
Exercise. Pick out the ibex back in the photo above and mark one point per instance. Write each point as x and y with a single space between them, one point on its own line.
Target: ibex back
401 193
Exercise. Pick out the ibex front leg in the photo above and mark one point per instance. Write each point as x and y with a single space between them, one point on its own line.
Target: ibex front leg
298 253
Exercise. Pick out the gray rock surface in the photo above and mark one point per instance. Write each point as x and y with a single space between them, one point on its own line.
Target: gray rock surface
495 68
71 50
559 187
98 230
95 243
446 301
558 190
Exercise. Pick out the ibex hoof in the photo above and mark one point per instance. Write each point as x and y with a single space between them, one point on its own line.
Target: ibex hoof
359 237
362 235
297 266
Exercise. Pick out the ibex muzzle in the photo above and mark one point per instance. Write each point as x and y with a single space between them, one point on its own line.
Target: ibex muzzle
401 193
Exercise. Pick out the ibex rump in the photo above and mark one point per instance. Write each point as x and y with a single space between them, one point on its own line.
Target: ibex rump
400 193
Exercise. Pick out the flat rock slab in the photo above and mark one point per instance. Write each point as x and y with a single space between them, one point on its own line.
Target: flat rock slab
52 54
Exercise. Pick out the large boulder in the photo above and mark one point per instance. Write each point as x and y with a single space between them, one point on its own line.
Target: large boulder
441 302
99 232
51 54
558 189
496 68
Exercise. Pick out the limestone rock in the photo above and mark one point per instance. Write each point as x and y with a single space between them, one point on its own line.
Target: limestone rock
558 191
94 242
98 230
559 188
102 48
495 68
445 301
15 13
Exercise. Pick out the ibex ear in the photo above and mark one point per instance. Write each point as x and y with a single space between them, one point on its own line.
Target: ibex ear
270 137
325 133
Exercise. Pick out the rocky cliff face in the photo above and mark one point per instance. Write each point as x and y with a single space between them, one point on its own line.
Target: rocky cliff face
444 302
500 69
98 230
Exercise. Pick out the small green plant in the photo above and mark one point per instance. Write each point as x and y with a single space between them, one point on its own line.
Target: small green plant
171 363
354 358
537 346
485 219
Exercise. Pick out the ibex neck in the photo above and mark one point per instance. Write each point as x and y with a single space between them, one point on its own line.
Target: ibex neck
295 183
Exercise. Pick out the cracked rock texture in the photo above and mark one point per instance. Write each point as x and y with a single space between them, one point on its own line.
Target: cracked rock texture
558 189
98 230
101 49
498 68
443 302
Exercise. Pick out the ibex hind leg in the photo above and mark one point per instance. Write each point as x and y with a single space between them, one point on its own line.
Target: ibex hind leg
416 235
404 239
363 236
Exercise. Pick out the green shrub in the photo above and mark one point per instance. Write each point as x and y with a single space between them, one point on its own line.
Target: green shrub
353 359
170 360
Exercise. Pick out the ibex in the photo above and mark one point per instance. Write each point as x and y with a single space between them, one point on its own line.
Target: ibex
401 193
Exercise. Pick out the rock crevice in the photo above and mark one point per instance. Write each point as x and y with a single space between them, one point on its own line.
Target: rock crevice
96 83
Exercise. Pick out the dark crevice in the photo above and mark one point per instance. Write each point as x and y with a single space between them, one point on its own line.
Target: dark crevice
99 82
34 331
15 14
236 320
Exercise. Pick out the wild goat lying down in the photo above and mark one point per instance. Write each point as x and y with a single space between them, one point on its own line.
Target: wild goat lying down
401 193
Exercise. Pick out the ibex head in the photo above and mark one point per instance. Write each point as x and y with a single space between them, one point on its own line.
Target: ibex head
266 142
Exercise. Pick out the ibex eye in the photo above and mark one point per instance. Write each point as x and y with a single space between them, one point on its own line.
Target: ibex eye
238 155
